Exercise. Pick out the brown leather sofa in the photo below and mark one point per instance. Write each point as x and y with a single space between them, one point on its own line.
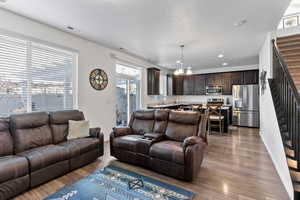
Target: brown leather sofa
169 142
34 149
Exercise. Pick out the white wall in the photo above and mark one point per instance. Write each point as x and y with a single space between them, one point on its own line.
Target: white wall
288 31
98 106
269 128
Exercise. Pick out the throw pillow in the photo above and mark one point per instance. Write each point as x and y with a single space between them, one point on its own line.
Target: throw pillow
78 129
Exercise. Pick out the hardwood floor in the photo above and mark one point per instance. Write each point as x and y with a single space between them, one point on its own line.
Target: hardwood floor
236 167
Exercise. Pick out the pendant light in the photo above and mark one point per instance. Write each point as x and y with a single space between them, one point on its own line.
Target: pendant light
180 67
189 71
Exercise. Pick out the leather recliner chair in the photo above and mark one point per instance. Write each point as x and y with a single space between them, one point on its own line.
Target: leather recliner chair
169 142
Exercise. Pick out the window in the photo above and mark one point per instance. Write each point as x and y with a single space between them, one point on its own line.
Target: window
128 71
163 84
128 92
34 77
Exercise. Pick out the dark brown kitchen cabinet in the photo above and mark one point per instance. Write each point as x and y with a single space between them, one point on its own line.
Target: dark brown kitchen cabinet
237 78
196 84
227 85
178 84
199 84
219 79
153 76
188 85
210 79
251 77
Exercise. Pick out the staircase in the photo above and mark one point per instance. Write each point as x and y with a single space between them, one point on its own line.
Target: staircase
285 87
289 48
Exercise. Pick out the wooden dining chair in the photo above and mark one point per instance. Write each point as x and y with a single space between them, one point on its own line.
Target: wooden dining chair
215 119
203 125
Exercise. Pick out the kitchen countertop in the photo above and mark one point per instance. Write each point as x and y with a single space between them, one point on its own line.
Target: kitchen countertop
225 107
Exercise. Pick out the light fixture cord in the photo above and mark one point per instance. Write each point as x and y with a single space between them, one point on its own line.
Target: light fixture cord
182 58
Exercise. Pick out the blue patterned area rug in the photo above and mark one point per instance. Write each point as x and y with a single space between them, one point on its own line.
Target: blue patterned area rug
114 183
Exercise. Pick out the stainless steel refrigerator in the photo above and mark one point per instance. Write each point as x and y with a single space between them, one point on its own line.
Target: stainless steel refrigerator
245 110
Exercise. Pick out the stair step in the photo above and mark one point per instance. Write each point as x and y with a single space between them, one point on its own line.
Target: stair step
295 175
292 60
287 45
288 54
293 164
289 50
296 190
296 81
289 152
295 67
295 74
296 187
292 63
288 38
286 57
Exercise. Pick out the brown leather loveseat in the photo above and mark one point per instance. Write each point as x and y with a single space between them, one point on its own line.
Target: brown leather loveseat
34 149
169 142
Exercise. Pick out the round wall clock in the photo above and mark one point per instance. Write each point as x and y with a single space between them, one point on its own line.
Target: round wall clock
98 79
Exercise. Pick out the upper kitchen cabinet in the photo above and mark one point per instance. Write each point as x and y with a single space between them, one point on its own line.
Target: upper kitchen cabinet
210 79
251 77
177 82
219 79
199 84
188 85
227 83
196 84
236 78
153 76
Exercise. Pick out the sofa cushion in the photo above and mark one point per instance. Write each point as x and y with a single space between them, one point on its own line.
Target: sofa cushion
12 167
59 122
168 150
6 141
77 147
182 125
161 121
143 122
42 157
128 142
30 130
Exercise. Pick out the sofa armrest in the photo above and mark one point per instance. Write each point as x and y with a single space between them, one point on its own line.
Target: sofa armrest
194 149
192 141
95 132
121 131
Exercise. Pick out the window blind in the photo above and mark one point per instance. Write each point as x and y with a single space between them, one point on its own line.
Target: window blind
34 77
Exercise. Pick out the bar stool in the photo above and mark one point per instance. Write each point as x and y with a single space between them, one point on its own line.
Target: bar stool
215 115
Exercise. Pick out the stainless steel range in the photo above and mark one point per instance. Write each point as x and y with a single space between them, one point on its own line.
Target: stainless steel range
245 105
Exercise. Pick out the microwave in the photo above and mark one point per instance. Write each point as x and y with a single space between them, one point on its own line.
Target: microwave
214 90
